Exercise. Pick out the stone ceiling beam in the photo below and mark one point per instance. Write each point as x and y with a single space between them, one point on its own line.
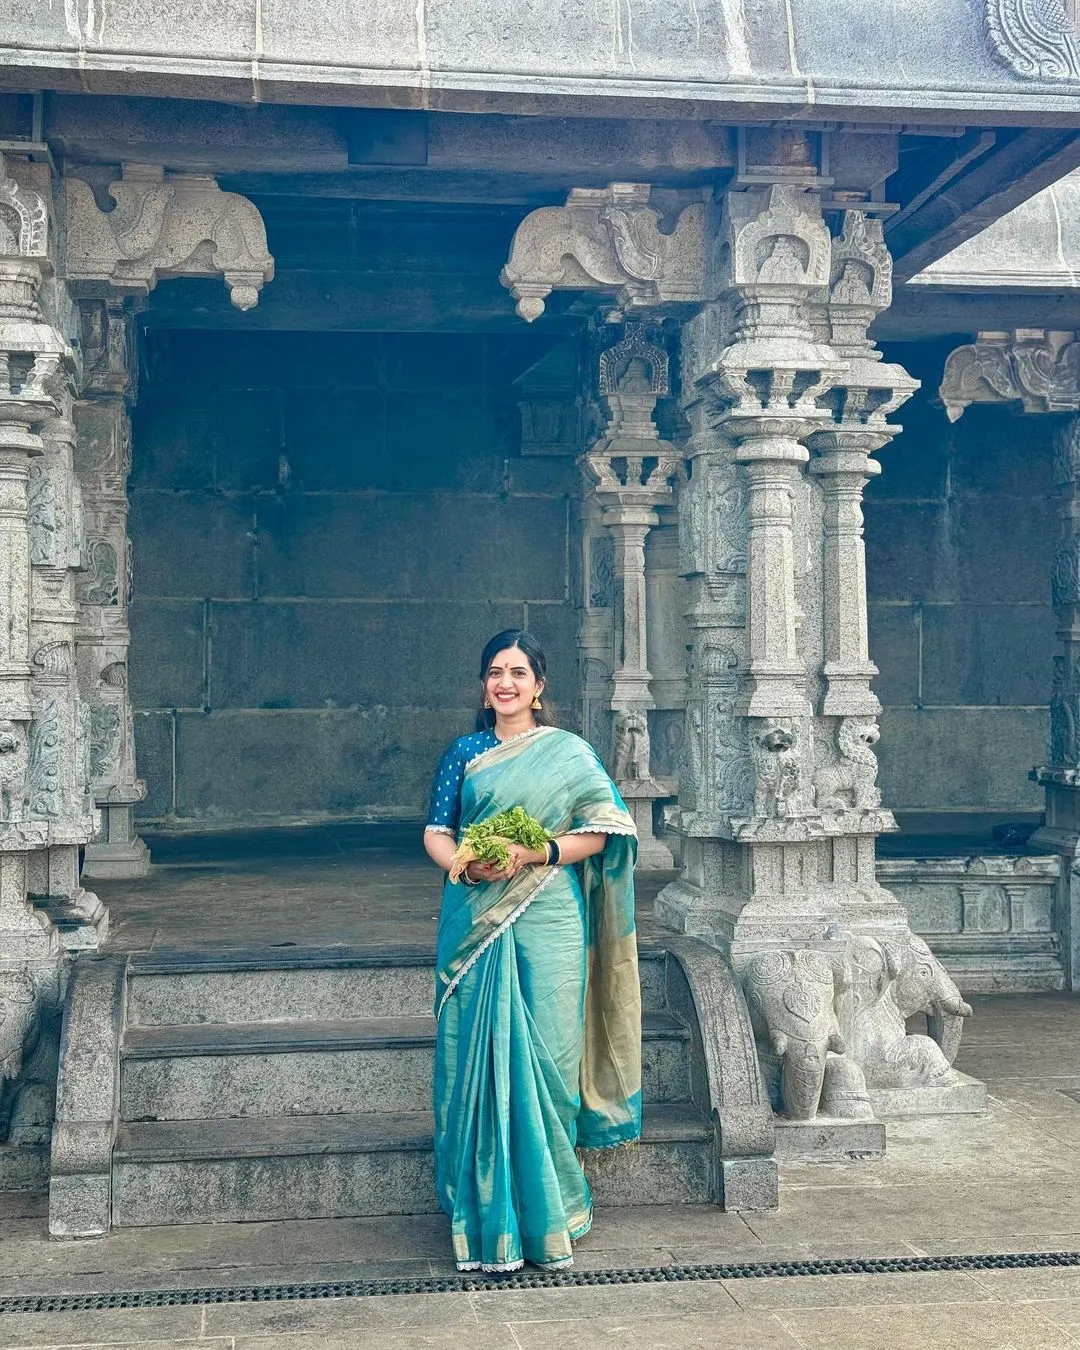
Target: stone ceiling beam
1022 163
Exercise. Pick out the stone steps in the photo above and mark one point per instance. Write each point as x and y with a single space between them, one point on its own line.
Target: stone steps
281 1167
291 1068
309 984
279 1084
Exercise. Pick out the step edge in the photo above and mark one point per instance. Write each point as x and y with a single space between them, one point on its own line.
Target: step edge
657 1130
152 1041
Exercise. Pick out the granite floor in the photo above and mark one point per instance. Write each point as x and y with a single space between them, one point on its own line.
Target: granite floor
1007 1182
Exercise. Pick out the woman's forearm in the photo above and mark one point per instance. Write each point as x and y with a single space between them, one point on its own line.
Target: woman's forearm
440 848
574 847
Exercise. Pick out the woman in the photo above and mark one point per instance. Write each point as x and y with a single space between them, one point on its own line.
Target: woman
538 1003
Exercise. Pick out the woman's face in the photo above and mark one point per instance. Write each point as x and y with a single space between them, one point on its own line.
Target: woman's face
510 685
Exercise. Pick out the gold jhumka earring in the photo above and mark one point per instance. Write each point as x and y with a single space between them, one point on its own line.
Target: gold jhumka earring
536 704
487 703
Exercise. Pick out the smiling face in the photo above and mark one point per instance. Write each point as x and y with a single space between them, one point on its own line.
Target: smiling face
510 685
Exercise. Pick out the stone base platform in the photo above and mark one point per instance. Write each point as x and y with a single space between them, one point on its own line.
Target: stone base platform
825 1139
963 1096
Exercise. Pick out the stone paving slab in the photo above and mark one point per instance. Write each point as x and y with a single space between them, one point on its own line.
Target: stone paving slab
955 1326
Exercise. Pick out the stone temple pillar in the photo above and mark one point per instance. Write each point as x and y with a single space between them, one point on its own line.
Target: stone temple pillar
44 805
631 471
779 805
1038 369
103 459
163 225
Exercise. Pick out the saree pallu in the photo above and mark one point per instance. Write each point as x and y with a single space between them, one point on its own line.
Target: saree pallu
538 1051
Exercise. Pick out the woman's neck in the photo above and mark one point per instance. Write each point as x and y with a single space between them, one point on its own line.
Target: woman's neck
507 727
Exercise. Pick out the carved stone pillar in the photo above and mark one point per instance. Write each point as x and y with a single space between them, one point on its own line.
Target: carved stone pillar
63 718
104 460
163 225
38 755
1041 371
779 804
631 469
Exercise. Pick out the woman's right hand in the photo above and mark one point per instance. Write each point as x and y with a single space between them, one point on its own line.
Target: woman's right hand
484 871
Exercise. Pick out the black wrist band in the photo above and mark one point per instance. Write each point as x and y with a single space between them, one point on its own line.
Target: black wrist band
553 853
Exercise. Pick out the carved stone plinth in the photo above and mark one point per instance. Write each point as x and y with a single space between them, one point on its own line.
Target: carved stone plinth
640 797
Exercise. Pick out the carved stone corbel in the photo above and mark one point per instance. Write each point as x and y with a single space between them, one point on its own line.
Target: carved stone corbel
1037 368
165 225
606 239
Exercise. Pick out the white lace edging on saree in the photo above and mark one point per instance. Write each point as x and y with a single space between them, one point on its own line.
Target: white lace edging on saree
511 918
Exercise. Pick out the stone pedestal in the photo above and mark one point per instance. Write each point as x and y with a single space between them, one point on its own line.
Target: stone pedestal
640 796
117 853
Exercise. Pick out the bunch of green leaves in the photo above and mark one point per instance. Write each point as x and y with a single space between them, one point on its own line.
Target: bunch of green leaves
488 838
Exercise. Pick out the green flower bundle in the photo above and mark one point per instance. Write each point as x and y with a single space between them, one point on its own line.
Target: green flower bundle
487 840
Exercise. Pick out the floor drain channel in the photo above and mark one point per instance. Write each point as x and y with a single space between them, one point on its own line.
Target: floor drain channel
525 1279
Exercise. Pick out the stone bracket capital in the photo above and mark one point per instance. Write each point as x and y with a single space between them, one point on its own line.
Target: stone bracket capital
164 225
1038 368
607 239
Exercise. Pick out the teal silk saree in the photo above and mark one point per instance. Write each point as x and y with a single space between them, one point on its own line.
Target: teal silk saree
538 1051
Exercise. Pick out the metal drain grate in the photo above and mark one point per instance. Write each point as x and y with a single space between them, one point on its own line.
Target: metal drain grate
537 1279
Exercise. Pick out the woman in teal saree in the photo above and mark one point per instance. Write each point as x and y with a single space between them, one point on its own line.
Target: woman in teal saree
538 1049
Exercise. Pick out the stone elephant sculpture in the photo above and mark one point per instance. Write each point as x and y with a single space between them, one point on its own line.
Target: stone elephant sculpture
891 979
922 984
792 1000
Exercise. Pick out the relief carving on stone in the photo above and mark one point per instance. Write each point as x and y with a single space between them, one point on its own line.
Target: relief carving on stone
1037 39
1041 372
776 751
101 585
166 225
41 514
632 750
602 571
44 752
13 769
104 740
891 980
606 239
834 1021
648 358
24 219
778 238
845 778
792 997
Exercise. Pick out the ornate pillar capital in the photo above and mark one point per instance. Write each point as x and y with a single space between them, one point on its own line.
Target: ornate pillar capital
164 225
607 239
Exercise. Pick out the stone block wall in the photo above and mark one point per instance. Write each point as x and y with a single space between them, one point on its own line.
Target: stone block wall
960 534
326 529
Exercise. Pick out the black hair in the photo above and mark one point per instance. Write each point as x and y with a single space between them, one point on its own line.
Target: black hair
534 654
